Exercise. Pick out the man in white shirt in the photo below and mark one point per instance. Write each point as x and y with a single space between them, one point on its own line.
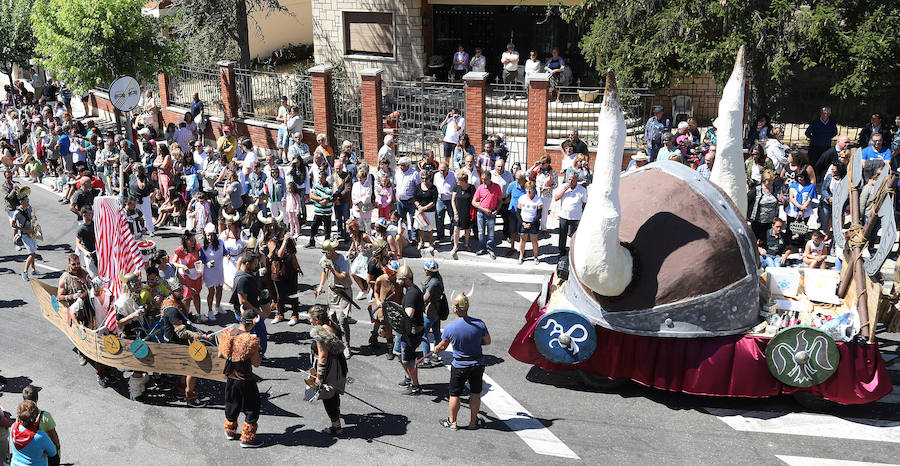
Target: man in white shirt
294 122
455 124
284 135
183 136
572 197
510 62
387 152
445 182
479 61
406 179
247 164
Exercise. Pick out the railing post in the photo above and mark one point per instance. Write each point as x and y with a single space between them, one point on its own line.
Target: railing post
476 89
229 91
372 121
323 105
163 80
538 85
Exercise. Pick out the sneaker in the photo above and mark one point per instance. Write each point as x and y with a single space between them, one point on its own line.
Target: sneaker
25 276
103 381
234 436
491 253
413 390
255 443
390 355
347 354
196 404
481 252
82 360
477 425
219 310
351 320
454 255
211 316
445 423
405 382
360 295
294 321
278 318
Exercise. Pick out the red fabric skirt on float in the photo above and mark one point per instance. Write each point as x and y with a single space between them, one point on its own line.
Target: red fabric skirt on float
731 366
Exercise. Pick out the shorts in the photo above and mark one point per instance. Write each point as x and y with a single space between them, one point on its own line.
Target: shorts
460 375
515 222
29 244
284 139
408 345
533 229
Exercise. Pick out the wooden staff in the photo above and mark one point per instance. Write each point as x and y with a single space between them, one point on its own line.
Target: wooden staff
855 268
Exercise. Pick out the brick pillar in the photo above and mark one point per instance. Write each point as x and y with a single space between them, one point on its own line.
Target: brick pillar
323 104
230 105
476 89
372 121
163 90
537 116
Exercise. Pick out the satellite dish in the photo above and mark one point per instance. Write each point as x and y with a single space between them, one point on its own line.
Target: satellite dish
124 93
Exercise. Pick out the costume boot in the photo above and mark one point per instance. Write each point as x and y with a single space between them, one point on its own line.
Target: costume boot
231 429
248 432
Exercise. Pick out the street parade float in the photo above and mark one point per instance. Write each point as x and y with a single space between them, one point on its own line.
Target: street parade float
663 287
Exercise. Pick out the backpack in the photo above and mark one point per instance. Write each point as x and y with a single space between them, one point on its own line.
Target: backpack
443 307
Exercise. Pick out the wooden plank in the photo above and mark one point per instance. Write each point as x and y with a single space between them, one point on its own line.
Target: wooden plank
165 358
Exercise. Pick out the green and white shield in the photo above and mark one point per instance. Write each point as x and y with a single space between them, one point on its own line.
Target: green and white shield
802 356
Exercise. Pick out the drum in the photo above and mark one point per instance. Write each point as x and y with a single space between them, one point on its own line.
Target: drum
148 249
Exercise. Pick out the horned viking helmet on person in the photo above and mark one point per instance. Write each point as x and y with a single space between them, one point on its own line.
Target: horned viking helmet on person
404 272
132 284
461 300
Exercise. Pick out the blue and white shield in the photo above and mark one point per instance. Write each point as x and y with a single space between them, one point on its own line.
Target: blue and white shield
565 337
140 349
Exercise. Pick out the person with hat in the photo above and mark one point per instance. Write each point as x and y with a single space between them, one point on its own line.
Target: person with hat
638 160
91 311
177 329
414 306
434 298
227 143
468 335
285 269
248 293
653 132
239 347
385 288
23 230
406 178
234 240
336 284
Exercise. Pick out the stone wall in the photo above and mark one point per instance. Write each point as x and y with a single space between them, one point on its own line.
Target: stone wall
409 53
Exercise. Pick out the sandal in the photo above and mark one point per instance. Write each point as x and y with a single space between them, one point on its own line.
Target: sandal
445 422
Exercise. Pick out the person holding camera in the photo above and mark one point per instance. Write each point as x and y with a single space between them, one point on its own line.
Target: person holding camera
453 126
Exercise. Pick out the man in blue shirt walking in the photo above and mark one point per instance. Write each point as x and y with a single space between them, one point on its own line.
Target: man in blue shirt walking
468 335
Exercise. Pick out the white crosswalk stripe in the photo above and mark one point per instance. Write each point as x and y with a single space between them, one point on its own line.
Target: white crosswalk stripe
809 424
807 461
528 280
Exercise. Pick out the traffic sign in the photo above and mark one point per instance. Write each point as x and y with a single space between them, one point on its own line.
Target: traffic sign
124 93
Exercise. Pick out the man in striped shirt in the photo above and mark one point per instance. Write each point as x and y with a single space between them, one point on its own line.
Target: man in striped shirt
322 196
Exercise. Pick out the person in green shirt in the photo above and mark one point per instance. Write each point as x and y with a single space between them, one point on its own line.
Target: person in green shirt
46 424
322 196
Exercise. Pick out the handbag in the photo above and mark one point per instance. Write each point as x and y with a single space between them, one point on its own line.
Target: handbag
799 227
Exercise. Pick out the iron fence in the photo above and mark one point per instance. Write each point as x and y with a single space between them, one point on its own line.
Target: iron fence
347 101
578 108
204 81
506 114
416 110
259 93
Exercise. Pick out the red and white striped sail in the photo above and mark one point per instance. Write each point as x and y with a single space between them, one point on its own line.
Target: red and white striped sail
117 250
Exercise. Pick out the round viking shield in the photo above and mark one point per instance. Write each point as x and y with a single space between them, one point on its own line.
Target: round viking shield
802 356
396 317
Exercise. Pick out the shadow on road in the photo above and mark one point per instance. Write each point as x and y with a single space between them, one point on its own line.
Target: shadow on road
4 304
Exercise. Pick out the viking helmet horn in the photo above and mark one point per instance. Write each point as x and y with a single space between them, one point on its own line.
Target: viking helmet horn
729 172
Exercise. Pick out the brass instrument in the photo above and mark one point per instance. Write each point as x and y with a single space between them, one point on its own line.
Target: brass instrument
37 233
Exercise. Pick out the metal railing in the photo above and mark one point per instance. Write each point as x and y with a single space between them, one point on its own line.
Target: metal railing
506 113
347 102
259 93
204 81
414 110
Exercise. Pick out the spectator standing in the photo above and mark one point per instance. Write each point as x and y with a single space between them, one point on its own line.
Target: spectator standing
284 134
555 66
529 207
460 63
461 202
362 196
775 149
198 115
653 132
183 136
46 423
28 444
571 197
532 67
486 202
454 126
445 182
486 159
875 125
462 148
510 62
479 61
820 132
386 152
298 149
546 180
762 205
322 197
343 188
276 188
405 180
227 143
514 191
500 176
425 198
324 149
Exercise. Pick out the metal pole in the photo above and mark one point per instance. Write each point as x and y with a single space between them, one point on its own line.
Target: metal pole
127 134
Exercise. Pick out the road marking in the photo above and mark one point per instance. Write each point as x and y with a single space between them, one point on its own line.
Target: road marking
529 295
517 277
48 267
806 461
809 424
47 188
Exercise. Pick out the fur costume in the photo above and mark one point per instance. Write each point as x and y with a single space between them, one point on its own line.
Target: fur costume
335 374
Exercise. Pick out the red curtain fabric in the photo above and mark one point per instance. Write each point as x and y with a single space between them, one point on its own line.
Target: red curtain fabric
733 366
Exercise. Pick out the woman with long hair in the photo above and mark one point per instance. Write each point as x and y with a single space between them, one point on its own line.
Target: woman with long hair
284 271
529 209
165 167
327 353
463 147
186 258
214 274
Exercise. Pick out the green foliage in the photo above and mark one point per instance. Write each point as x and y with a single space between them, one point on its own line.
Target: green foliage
88 42
214 30
17 44
650 42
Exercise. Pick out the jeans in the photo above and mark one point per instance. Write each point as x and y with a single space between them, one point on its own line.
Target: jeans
653 150
486 224
341 215
440 210
769 261
314 229
407 211
566 229
433 328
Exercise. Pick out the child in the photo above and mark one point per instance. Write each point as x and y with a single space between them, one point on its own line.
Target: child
384 193
816 251
292 206
397 230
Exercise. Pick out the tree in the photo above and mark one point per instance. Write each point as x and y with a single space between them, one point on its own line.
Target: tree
650 42
88 42
17 46
214 30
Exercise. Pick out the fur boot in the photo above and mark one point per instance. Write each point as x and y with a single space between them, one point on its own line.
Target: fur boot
137 386
230 428
248 432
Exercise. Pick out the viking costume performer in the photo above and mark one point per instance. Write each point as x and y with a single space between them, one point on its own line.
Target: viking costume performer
177 329
240 349
134 218
235 242
73 285
331 366
335 282
24 231
409 322
91 311
383 283
138 311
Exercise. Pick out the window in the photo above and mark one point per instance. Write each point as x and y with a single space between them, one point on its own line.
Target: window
368 33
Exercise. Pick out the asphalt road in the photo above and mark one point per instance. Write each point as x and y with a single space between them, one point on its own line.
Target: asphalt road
628 425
